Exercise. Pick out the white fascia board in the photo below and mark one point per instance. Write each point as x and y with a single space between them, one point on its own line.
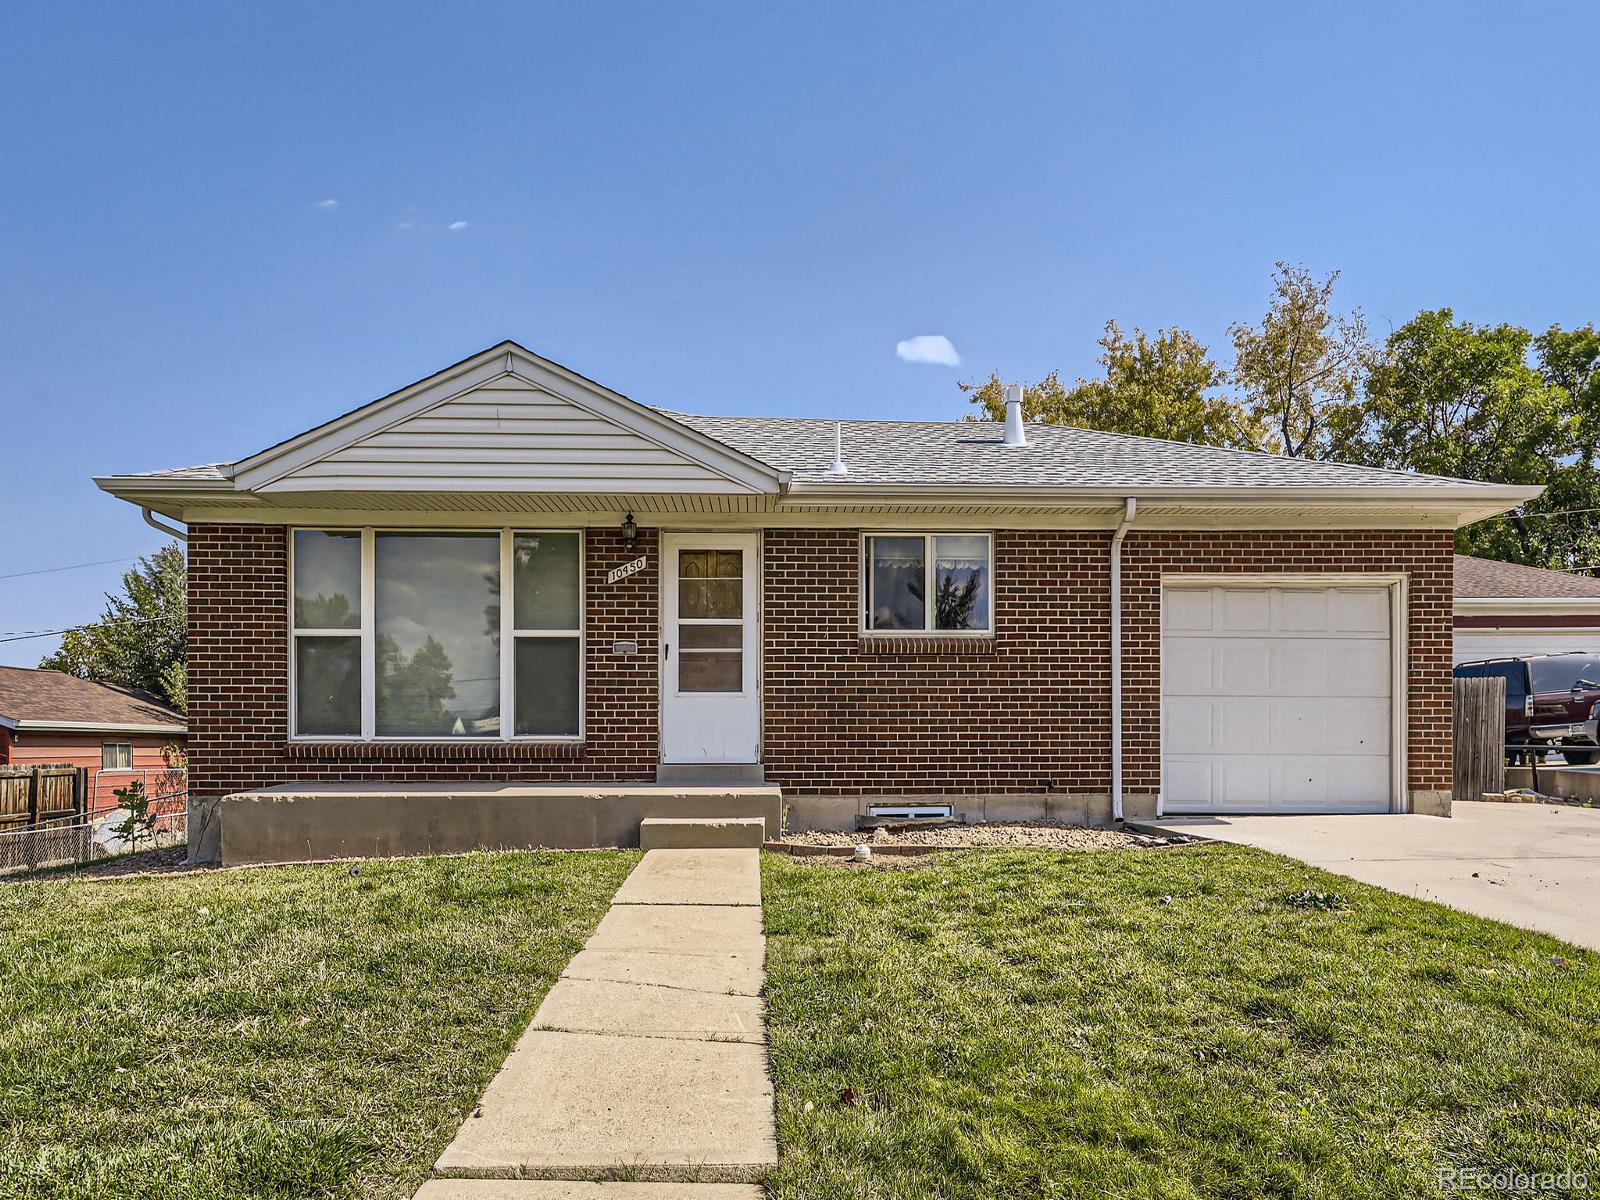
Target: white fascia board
97 727
262 471
1515 605
1473 493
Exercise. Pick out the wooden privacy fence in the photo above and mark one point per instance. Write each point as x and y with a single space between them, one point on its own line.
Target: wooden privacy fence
40 793
1480 738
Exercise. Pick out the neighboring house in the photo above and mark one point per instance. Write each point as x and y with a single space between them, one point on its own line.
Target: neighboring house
1504 610
116 734
508 574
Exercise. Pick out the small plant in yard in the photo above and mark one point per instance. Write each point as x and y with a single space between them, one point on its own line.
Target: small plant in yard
139 821
1326 901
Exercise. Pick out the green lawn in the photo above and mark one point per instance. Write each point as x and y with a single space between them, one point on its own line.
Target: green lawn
1041 1024
299 1031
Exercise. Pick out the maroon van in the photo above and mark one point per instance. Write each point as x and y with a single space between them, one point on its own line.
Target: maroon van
1550 699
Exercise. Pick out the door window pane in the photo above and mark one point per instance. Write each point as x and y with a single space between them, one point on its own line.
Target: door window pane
438 634
711 637
327 579
711 671
327 686
711 584
961 582
896 582
545 569
547 687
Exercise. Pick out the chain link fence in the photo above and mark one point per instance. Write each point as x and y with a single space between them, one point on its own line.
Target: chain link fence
76 841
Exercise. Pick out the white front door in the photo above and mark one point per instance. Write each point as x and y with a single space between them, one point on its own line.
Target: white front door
710 648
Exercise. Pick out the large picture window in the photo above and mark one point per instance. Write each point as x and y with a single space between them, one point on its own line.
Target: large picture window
437 635
928 582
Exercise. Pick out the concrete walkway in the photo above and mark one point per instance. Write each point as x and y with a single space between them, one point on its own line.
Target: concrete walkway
1533 865
647 1060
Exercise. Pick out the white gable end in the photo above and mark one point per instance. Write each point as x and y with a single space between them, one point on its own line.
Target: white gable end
509 422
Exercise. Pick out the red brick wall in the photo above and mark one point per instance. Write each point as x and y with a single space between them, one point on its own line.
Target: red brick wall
238 680
1023 712
1028 710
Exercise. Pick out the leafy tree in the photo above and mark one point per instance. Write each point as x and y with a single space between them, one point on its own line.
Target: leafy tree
138 820
1300 371
139 639
1154 386
1453 398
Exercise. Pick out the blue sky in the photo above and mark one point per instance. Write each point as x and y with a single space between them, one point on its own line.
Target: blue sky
719 207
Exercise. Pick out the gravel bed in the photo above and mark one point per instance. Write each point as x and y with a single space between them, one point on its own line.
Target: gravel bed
1054 834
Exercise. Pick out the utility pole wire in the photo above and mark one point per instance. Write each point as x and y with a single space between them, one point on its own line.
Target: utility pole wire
24 635
104 562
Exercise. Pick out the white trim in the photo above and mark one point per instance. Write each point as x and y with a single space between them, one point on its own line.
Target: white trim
92 727
365 631
863 584
1398 584
1513 605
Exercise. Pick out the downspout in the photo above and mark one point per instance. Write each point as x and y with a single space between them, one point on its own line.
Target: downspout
150 520
1130 506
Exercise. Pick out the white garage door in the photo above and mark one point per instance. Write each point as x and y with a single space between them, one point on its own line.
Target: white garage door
1475 644
1276 699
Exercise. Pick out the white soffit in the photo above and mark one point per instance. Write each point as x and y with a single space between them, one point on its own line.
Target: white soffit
505 421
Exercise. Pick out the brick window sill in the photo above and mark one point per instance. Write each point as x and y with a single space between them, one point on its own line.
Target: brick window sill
927 645
433 751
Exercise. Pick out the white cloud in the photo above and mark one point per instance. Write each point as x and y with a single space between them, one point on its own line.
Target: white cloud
328 205
928 348
406 225
456 225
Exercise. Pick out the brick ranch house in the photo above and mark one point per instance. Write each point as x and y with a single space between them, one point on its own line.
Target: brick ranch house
506 605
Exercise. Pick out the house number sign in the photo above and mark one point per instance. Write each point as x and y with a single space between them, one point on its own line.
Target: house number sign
626 569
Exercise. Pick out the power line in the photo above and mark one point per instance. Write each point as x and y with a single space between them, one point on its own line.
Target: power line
24 635
104 562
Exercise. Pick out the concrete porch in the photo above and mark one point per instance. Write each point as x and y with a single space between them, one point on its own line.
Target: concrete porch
294 822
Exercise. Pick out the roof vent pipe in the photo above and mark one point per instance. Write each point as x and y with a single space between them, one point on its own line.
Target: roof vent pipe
1015 434
838 467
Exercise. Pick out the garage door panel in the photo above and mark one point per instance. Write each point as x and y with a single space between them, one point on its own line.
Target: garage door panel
1303 611
1189 725
1188 669
1244 665
1276 699
1471 645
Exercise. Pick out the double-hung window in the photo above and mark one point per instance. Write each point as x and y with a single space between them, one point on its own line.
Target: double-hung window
928 583
437 635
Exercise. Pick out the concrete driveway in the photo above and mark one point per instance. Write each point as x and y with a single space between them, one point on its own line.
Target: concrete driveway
1534 865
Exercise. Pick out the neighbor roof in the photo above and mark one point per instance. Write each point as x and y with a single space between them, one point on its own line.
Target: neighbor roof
1487 578
974 452
55 700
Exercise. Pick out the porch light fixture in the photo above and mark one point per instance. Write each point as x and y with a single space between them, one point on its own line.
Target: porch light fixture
630 531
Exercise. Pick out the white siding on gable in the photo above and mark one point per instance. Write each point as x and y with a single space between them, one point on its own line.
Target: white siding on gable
505 436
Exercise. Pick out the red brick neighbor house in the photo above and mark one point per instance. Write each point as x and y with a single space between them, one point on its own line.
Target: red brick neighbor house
1504 610
507 605
116 734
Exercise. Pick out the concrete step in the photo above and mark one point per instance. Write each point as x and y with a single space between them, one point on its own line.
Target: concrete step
711 774
701 833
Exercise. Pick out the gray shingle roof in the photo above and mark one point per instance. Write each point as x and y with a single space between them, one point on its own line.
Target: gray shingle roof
973 452
1485 578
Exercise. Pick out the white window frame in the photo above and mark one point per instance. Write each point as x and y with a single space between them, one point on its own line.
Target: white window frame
104 746
365 631
864 605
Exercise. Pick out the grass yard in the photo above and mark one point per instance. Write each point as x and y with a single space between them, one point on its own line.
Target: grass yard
1034 1023
299 1031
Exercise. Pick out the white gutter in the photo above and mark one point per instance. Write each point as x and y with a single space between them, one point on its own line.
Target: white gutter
150 520
1130 506
27 726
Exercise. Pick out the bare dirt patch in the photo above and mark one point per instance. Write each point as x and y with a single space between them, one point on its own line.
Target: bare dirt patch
1051 834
